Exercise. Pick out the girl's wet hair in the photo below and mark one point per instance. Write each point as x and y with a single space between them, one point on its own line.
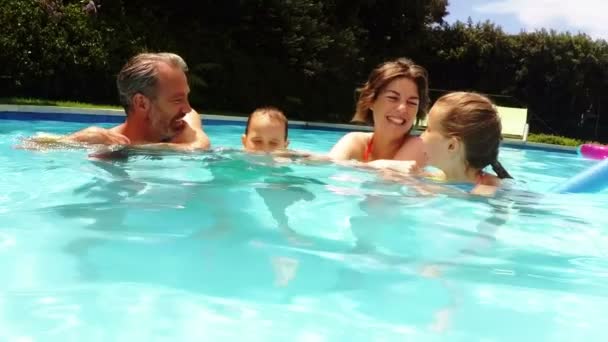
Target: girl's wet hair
473 118
381 76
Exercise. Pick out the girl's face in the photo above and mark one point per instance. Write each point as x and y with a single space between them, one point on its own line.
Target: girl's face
395 107
439 147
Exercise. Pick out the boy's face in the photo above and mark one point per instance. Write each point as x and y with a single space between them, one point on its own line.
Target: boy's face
265 135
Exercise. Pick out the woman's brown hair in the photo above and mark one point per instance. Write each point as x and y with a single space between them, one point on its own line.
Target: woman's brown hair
381 76
473 118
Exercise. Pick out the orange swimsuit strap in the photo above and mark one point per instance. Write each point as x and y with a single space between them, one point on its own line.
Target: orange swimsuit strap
368 150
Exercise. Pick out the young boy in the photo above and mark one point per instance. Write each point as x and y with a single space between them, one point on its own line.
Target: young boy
266 131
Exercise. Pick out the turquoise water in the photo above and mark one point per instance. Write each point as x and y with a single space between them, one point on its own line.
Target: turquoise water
223 245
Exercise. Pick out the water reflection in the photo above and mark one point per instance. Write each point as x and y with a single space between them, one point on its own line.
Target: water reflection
221 231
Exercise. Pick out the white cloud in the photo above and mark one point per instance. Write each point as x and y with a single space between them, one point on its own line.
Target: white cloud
589 16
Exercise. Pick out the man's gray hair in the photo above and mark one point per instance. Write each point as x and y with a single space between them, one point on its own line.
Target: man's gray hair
140 75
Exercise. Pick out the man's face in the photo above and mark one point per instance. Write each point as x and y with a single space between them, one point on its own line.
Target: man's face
171 104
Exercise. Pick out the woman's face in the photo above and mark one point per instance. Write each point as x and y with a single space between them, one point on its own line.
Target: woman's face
395 107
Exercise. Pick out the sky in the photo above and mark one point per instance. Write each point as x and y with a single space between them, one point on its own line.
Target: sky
587 16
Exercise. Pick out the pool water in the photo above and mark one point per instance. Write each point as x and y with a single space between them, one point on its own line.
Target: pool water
221 245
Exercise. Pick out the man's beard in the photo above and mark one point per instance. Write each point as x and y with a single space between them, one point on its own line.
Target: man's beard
162 130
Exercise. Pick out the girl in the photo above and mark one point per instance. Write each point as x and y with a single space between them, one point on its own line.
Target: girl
461 139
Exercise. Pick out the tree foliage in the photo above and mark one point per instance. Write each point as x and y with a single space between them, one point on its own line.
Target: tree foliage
306 56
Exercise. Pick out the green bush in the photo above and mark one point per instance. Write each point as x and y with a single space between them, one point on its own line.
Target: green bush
306 57
554 140
53 49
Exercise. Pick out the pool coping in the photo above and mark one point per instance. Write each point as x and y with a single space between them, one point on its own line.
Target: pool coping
99 115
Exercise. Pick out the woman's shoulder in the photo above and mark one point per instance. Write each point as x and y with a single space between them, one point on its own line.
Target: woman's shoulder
363 136
350 146
355 139
411 149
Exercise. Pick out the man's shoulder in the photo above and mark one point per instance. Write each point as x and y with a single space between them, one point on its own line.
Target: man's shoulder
118 128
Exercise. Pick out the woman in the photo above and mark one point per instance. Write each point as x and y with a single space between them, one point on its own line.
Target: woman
394 98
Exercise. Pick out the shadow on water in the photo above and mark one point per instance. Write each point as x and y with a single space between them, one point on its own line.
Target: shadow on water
127 214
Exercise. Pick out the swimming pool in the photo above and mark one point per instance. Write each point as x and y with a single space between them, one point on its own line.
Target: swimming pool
223 245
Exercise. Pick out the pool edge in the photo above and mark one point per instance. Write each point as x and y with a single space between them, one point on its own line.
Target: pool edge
98 115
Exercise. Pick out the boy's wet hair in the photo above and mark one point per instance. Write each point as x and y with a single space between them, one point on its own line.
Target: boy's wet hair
272 113
473 118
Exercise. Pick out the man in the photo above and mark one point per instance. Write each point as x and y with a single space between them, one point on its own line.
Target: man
153 90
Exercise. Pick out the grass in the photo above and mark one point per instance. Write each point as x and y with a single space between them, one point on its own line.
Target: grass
56 103
75 104
538 138
554 140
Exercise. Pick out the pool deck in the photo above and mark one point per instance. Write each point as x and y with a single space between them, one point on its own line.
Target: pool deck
90 115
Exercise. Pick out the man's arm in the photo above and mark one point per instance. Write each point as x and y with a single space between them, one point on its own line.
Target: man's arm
89 135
